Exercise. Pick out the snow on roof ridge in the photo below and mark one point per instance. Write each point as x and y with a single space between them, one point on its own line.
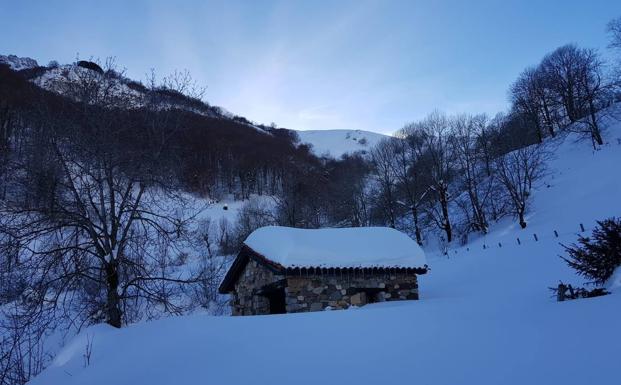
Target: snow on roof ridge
366 247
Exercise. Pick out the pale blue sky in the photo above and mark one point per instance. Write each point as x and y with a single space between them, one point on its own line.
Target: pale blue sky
364 64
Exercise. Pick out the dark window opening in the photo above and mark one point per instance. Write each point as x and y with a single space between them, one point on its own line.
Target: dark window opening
372 295
277 301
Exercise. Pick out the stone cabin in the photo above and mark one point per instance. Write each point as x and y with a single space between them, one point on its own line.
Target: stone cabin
287 270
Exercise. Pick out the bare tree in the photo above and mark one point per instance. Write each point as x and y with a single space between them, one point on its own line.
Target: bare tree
466 131
346 197
299 200
487 149
111 221
614 29
518 171
531 95
383 160
22 353
105 227
183 83
253 214
563 69
524 98
411 173
593 92
436 150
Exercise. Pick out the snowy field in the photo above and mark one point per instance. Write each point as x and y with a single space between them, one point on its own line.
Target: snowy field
486 315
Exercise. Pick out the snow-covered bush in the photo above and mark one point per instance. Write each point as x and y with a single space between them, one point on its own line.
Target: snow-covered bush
597 257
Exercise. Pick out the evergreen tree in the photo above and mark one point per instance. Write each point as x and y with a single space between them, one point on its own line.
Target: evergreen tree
596 257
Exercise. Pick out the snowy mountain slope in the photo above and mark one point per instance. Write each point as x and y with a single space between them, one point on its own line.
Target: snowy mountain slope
61 79
18 63
485 314
58 79
336 143
333 143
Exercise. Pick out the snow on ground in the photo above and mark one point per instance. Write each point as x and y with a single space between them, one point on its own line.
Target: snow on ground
335 143
486 316
344 247
228 208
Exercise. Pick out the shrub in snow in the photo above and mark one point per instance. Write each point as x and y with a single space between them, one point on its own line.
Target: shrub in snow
564 292
597 257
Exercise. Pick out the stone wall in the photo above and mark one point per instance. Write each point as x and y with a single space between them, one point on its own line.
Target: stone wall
244 301
318 292
313 293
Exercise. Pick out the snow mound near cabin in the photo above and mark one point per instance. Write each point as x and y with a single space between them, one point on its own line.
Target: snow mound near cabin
336 143
338 247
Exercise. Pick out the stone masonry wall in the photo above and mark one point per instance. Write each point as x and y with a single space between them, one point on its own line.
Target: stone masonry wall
313 293
254 277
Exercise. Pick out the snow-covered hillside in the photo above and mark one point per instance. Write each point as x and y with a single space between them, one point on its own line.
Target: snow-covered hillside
486 315
18 63
332 143
335 143
61 79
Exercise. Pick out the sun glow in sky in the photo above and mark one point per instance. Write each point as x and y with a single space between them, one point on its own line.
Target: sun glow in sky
366 64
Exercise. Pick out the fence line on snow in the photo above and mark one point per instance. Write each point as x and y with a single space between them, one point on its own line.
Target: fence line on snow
525 238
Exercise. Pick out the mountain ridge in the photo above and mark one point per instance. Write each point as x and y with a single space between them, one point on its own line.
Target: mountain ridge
56 77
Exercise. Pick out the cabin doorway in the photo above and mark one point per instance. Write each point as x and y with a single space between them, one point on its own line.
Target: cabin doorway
373 295
276 298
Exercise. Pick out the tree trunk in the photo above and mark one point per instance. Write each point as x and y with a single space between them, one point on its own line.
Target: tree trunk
539 133
570 105
595 133
546 114
419 238
113 304
391 209
479 214
521 218
445 214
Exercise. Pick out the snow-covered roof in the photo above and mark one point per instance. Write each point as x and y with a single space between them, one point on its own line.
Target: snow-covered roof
363 247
